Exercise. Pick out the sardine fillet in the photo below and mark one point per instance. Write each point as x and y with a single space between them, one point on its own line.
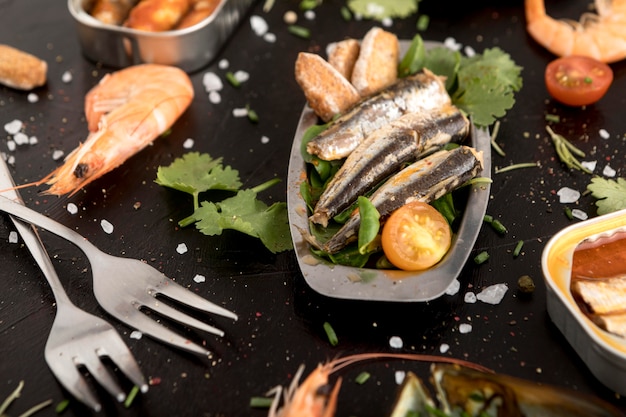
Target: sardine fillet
425 180
420 92
602 296
385 151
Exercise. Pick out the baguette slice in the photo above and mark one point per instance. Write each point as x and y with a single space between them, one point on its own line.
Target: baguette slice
377 65
21 70
326 90
343 55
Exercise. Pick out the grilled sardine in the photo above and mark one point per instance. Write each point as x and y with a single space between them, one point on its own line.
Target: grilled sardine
420 92
385 151
425 180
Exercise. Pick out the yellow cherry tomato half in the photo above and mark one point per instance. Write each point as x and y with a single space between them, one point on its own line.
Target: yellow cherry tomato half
416 236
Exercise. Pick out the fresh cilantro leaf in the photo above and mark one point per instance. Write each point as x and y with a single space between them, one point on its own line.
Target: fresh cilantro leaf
445 62
611 195
382 9
483 98
195 173
244 213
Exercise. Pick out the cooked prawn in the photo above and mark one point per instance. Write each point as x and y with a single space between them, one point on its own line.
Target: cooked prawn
309 399
601 36
125 112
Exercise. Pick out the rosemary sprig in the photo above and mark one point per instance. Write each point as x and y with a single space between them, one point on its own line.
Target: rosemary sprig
567 152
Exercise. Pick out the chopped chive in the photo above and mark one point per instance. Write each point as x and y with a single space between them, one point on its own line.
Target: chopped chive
516 166
553 118
230 77
330 333
481 258
568 213
488 218
267 6
308 4
131 396
252 115
362 377
518 248
494 134
299 31
62 406
498 227
422 22
345 13
261 402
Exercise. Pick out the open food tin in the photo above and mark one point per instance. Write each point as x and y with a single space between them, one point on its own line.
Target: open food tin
604 352
189 49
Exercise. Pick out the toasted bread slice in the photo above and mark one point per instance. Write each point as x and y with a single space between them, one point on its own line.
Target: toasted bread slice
326 90
21 70
342 55
377 65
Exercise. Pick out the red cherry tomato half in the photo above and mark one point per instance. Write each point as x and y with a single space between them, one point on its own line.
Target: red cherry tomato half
416 236
578 80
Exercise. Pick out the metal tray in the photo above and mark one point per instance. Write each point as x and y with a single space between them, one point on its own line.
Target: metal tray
603 352
345 282
189 49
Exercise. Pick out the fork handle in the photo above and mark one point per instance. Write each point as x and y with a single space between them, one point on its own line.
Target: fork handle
36 218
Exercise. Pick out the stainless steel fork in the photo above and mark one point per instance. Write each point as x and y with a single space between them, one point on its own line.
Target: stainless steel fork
77 339
125 286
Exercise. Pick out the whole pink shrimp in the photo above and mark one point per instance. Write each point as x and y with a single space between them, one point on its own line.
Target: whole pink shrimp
601 36
307 399
126 111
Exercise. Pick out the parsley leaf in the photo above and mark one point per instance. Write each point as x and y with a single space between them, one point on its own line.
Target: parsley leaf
382 9
246 214
195 173
611 194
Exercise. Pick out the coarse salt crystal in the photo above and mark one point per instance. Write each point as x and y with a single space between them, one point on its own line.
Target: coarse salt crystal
20 138
444 348
223 64
399 377
604 134
590 165
33 140
387 22
13 127
106 226
11 145
493 294
608 171
465 328
470 297
269 37
32 98
453 288
136 334
241 76
215 97
309 15
58 154
212 82
568 195
396 342
66 77
11 160
579 214
199 278
13 237
451 43
259 25
469 51
265 140
72 208
181 248
188 143
240 112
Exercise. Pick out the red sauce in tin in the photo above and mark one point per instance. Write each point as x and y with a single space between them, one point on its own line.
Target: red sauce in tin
602 258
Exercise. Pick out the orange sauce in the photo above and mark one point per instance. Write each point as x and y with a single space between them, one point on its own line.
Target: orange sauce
602 258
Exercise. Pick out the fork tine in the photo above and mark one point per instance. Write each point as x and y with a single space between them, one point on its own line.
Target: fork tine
183 318
70 377
121 356
150 327
176 292
99 372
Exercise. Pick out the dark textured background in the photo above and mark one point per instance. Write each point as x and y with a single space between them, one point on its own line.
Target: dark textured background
281 319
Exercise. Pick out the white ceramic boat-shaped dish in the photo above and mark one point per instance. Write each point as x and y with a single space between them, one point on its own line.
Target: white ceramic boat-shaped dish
345 282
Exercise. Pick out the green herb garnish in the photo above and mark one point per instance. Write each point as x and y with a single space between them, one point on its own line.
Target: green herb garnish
330 333
567 152
610 194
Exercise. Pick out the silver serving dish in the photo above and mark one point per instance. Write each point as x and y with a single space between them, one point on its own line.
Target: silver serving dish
189 49
603 352
340 281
